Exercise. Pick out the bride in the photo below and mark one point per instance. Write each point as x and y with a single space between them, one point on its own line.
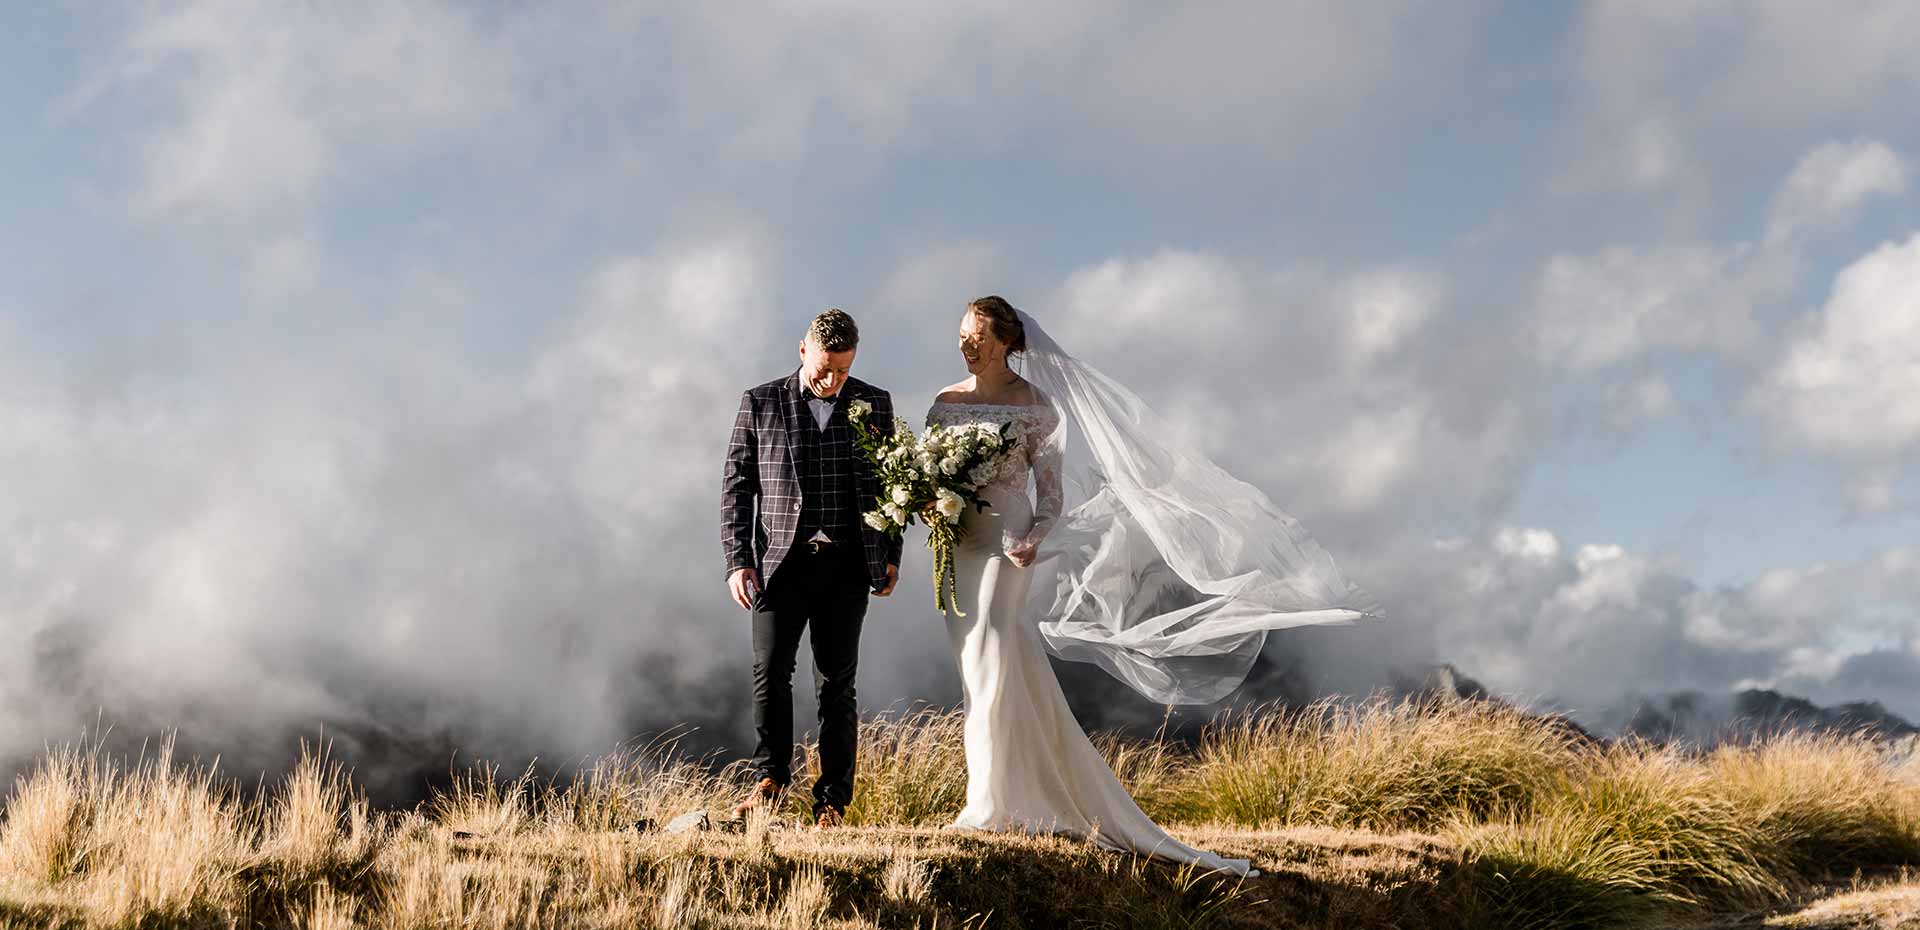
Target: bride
1104 543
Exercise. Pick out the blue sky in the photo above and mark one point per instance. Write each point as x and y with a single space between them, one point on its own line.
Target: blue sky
342 341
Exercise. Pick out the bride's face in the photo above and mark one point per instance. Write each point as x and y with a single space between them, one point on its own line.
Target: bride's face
979 348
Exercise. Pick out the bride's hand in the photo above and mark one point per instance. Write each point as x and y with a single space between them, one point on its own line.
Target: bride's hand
1021 553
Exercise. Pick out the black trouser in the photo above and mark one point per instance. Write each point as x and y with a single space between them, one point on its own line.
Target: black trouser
827 591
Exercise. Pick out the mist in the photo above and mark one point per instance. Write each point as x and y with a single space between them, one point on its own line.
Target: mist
365 373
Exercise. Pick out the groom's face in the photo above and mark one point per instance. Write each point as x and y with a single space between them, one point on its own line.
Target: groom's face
824 372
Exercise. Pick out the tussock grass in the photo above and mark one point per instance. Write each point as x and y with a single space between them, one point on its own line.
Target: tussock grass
910 770
1381 765
1152 769
1822 801
48 816
1377 814
1645 830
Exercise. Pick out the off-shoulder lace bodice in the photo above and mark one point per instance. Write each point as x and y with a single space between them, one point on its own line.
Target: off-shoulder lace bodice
1035 455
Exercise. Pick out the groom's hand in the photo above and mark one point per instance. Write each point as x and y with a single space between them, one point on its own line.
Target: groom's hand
893 578
743 584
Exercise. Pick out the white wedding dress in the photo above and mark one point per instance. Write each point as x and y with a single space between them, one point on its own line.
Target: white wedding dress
1030 766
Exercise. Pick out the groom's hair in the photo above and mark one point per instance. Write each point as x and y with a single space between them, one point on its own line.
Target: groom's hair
834 331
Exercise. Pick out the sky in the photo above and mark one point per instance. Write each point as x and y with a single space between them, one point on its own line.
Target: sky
368 366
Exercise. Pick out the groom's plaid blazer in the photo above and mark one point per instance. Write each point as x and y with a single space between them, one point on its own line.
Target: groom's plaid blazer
761 469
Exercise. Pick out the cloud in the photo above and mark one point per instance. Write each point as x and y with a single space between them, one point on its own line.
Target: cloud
385 541
259 105
1832 181
1127 85
397 409
1325 386
1820 387
1388 309
940 278
1187 299
1678 86
1620 303
1584 627
1843 385
1634 402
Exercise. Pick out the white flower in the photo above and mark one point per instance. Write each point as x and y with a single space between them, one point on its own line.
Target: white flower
949 466
899 516
991 440
981 474
877 520
949 505
860 408
901 496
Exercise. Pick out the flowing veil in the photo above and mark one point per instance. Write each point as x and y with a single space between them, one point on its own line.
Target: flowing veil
1162 568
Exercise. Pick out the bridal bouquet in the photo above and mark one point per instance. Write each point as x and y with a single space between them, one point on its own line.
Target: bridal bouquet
932 477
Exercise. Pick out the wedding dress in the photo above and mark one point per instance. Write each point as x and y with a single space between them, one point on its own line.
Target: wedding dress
1030 766
1152 562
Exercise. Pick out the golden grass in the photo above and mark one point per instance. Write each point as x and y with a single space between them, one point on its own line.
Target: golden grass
1889 904
1378 814
909 770
1379 764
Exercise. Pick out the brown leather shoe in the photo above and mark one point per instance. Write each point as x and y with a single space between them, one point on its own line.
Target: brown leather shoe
828 817
764 794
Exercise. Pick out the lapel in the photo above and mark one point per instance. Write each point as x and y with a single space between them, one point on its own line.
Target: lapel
793 411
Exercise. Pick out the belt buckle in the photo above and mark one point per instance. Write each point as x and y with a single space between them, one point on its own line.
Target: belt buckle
817 546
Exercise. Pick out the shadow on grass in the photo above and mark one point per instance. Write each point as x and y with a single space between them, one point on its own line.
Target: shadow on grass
41 916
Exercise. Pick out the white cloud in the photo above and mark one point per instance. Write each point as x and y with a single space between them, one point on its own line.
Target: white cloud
663 336
1528 542
1320 385
372 535
497 503
1185 299
1585 628
1362 462
1636 401
1845 384
939 279
1685 84
1832 181
1836 386
1387 309
1874 489
1150 83
1620 303
1794 61
260 104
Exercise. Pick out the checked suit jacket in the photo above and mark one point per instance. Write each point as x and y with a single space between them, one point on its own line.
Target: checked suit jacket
760 482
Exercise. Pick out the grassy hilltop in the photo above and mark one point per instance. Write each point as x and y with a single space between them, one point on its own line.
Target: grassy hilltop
1382 815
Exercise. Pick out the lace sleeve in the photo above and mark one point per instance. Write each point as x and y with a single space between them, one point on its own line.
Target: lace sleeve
1044 451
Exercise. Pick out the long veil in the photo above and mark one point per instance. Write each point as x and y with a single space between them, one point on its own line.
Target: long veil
1162 568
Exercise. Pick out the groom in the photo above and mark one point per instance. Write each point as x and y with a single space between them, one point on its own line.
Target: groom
806 561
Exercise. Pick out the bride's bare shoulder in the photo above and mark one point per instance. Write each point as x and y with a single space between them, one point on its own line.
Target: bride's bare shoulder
1024 393
952 394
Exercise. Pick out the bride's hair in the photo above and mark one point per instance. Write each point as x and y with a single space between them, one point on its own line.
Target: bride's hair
1003 320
